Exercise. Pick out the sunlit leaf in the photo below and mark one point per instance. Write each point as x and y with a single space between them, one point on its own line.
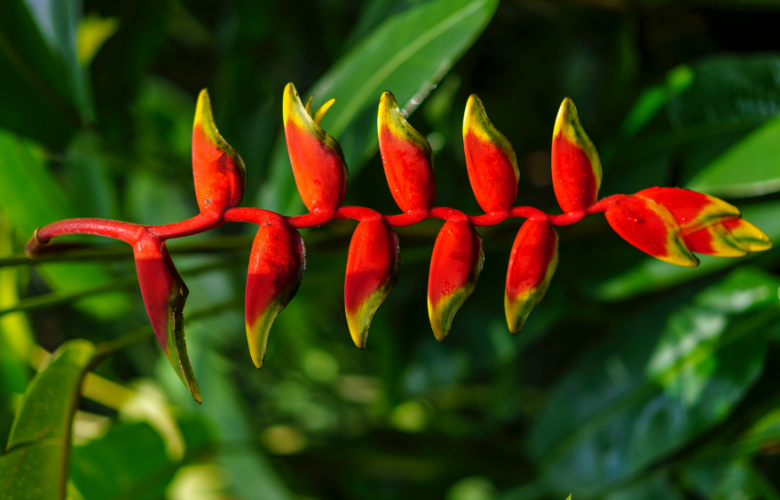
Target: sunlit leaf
35 464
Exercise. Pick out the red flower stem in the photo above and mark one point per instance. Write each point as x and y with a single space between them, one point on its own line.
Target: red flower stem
131 233
194 225
124 231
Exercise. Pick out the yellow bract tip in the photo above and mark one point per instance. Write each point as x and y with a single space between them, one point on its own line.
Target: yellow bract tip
204 118
320 114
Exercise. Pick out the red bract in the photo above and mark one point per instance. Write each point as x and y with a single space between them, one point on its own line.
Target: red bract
709 225
651 228
317 161
219 172
276 267
490 159
576 169
455 266
372 270
164 294
532 264
667 223
407 158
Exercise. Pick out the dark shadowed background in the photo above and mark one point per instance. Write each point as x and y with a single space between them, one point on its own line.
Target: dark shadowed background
633 379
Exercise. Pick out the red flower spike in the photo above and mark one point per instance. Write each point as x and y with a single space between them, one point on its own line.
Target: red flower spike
164 294
455 266
651 228
729 238
532 264
491 161
276 267
576 169
220 174
317 161
692 210
372 271
407 158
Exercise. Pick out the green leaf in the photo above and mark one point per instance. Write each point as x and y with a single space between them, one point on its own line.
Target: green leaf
35 465
31 198
130 461
651 275
673 372
43 92
749 168
728 480
407 54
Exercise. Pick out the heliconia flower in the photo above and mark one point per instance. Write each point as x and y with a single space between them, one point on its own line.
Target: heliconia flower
650 227
276 266
317 161
709 225
372 271
407 158
455 266
164 294
532 264
729 238
490 159
220 174
576 168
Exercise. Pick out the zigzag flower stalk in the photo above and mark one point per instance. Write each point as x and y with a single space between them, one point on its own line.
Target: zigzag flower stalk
668 223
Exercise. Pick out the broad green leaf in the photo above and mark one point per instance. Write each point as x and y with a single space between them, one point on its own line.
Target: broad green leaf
654 488
652 275
676 370
31 198
407 54
751 167
35 465
724 98
43 91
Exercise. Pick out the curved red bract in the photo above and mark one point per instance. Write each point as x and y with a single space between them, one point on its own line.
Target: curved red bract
407 158
276 267
532 264
456 263
372 271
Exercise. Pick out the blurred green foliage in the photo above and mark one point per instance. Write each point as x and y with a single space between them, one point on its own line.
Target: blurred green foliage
633 379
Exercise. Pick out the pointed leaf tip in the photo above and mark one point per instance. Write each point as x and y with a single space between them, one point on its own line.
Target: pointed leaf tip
276 266
317 161
576 168
218 171
164 294
372 271
490 160
455 267
407 158
532 264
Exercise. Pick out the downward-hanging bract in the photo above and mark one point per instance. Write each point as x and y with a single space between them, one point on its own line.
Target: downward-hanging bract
668 223
276 267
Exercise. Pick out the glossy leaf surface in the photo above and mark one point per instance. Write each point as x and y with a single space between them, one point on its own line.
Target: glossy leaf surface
35 464
532 265
164 295
407 158
456 262
316 158
490 160
576 168
276 267
372 271
651 228
665 377
220 174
